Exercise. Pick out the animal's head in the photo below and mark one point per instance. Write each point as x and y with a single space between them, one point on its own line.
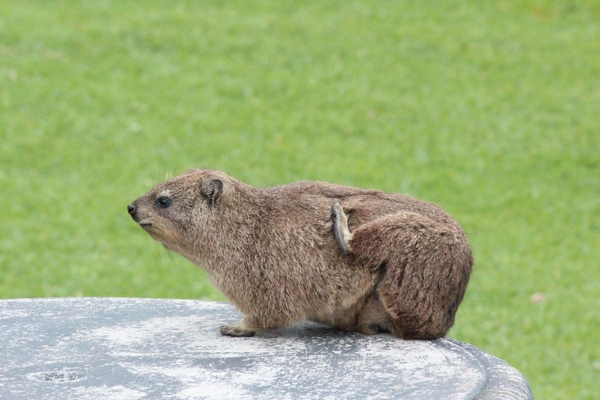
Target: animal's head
175 212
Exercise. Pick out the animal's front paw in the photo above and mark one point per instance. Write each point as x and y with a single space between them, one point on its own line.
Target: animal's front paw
340 227
236 330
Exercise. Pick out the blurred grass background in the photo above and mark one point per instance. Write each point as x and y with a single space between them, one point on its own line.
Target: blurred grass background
488 108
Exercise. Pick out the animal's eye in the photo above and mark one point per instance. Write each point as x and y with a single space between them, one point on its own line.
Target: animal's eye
164 202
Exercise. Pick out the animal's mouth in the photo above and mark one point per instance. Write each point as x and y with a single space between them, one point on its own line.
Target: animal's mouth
145 224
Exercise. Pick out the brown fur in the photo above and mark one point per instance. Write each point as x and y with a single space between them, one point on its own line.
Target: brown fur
374 262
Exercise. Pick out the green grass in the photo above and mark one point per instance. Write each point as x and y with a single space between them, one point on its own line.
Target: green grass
488 108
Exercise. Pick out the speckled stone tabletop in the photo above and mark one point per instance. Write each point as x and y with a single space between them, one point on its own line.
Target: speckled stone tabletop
116 348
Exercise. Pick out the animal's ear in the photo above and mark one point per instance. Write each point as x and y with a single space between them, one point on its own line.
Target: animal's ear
212 190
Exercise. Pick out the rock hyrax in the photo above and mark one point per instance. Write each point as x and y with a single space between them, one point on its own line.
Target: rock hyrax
355 259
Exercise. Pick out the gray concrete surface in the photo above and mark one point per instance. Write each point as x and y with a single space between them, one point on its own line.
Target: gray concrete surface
111 348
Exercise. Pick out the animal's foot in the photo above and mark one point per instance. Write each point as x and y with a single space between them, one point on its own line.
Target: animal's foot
236 331
340 227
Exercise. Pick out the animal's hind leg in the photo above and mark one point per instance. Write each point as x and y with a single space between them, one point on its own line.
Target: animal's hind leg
373 317
427 269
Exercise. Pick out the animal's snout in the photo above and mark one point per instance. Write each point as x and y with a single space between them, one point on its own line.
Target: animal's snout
131 209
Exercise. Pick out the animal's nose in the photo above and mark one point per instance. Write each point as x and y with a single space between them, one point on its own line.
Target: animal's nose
131 209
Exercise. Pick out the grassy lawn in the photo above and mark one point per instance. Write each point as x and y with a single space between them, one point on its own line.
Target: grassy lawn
488 108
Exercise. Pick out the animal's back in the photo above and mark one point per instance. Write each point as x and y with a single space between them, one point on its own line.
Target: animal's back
361 205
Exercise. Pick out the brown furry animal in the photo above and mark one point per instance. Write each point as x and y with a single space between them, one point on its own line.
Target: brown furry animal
355 259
